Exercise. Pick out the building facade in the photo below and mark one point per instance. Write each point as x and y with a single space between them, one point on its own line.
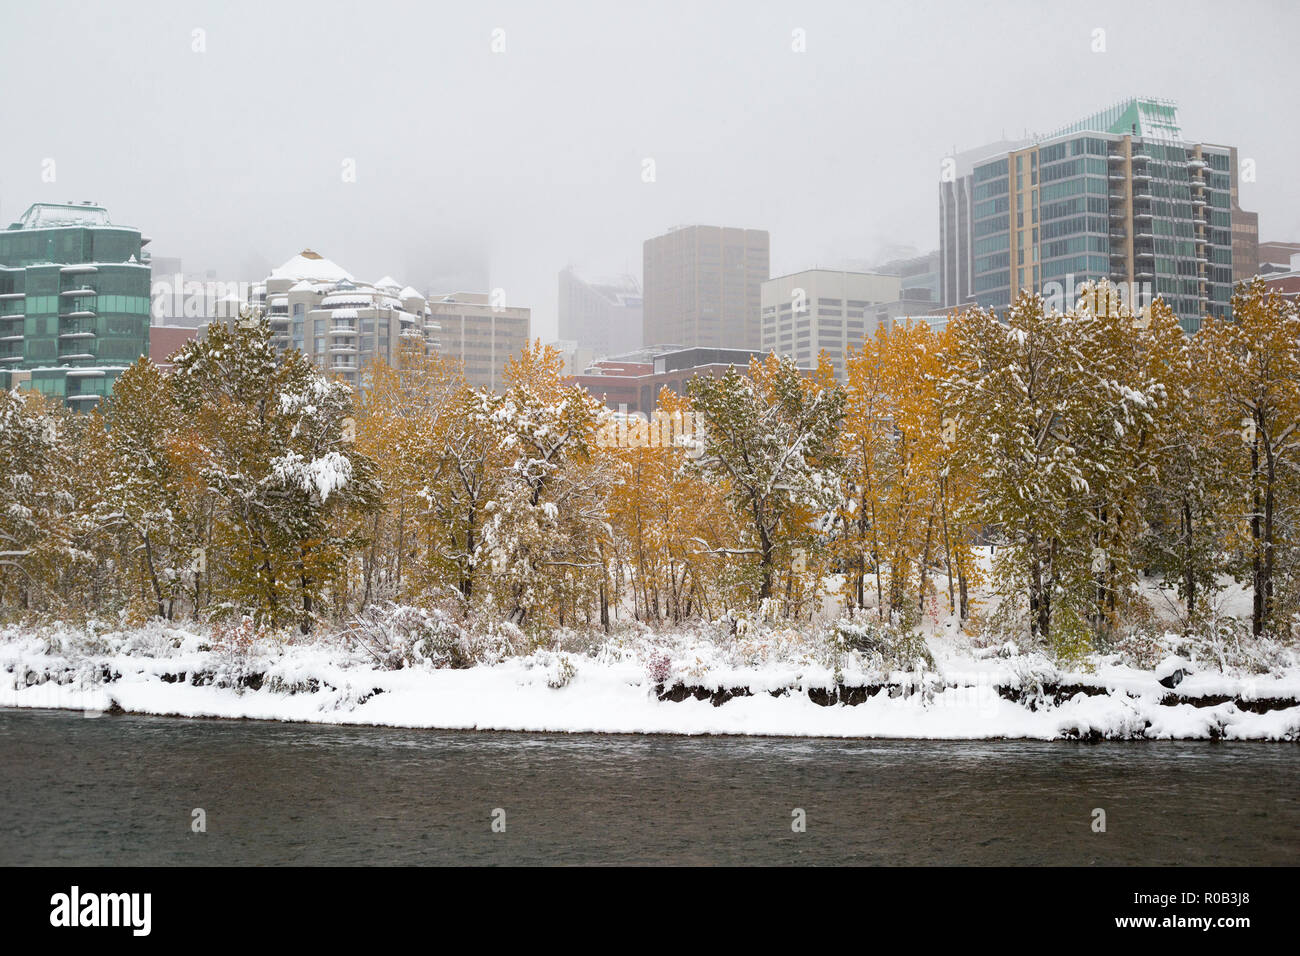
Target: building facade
339 322
1119 195
603 315
806 313
625 384
74 302
703 286
482 335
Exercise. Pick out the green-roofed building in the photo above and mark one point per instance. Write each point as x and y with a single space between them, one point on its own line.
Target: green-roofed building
74 301
1118 195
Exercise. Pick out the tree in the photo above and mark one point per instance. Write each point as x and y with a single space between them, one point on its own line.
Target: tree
36 506
1254 366
275 449
1048 422
770 436
137 492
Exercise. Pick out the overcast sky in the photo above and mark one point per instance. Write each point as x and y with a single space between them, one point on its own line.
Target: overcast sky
233 158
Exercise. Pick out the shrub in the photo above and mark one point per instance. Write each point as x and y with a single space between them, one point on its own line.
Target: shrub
398 636
888 644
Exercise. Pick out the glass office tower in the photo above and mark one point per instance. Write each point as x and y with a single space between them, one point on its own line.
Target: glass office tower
74 302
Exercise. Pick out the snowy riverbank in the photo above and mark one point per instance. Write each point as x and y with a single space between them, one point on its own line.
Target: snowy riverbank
672 684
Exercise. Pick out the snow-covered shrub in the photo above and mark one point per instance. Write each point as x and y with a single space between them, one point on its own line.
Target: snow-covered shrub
399 635
561 672
1142 647
1228 644
890 644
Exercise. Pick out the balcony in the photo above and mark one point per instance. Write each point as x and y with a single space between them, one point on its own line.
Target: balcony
78 270
79 314
84 290
343 330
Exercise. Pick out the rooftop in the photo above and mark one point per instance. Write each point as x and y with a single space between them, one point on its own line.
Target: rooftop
313 266
48 215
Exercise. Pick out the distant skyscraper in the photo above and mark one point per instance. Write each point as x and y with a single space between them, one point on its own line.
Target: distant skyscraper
703 287
74 302
603 315
1118 195
1245 231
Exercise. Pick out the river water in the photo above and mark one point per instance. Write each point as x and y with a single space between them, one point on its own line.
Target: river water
123 790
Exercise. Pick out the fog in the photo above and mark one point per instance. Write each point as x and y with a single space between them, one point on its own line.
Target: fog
394 139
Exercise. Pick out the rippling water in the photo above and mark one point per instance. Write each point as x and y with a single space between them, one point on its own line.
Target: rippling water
120 790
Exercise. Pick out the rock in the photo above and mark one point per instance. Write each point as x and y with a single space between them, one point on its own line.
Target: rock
1171 671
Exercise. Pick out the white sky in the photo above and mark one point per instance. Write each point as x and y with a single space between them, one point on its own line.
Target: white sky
232 158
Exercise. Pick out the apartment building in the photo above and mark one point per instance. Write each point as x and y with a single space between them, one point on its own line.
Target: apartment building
484 335
340 322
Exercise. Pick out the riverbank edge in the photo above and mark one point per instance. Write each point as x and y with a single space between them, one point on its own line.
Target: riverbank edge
1077 710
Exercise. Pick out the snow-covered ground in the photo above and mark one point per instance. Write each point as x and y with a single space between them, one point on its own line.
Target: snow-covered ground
614 687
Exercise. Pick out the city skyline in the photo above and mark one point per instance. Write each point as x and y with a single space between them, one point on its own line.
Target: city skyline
527 159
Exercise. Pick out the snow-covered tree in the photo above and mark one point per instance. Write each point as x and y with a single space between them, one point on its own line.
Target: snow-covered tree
770 441
275 449
1254 368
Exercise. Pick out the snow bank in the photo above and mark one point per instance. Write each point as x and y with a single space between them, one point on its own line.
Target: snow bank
174 672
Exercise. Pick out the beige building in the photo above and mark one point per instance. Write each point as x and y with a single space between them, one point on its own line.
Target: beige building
806 312
339 322
482 335
702 287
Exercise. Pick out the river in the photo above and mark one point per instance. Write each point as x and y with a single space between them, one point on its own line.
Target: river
123 790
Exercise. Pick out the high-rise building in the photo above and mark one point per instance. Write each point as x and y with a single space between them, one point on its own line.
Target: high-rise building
339 322
1118 195
1245 230
484 335
956 261
74 301
702 286
603 315
919 275
818 310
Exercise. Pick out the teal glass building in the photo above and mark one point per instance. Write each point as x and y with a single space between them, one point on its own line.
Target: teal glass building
1119 195
74 302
